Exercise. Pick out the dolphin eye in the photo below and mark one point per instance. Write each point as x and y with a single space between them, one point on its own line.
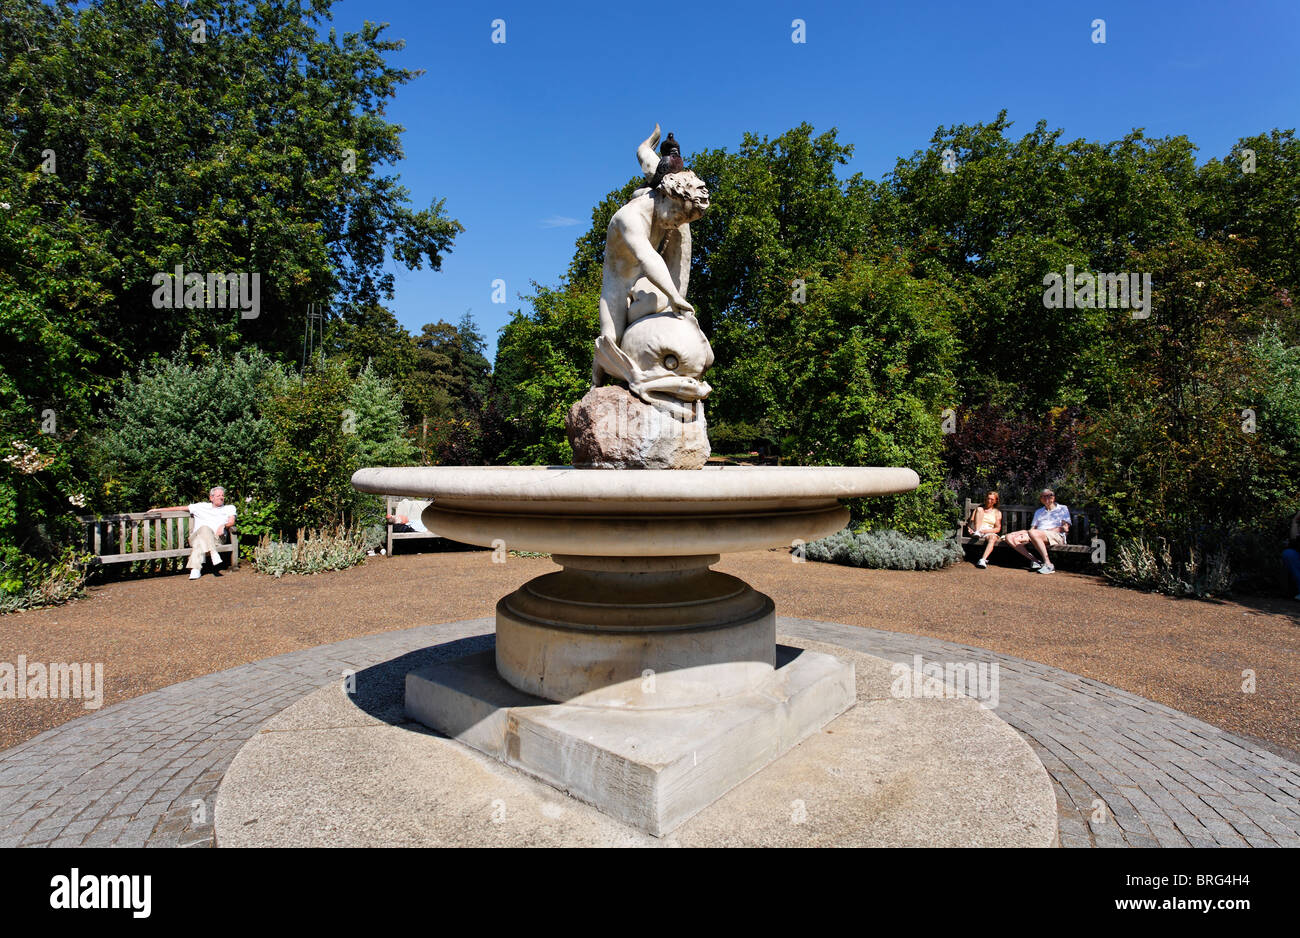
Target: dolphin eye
670 362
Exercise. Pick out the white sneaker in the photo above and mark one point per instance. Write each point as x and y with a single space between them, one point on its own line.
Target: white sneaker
1035 565
982 563
195 574
1048 568
216 558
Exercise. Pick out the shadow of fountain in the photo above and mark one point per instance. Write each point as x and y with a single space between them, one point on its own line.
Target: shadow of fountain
381 688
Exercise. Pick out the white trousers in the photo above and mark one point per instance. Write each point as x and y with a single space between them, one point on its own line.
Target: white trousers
202 540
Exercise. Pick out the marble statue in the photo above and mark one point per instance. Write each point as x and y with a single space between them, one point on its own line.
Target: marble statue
649 335
647 269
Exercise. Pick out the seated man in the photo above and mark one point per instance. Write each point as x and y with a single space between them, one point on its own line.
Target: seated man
211 519
405 518
1291 556
1050 526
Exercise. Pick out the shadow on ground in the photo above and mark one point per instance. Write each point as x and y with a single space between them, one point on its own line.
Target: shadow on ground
381 688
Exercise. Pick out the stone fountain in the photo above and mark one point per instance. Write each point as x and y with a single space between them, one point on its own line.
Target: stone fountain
637 678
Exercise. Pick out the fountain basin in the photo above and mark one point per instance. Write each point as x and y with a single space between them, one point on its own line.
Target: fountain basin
635 638
635 512
636 619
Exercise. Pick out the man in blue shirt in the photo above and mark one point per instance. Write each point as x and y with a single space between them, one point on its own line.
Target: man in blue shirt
1050 526
1291 556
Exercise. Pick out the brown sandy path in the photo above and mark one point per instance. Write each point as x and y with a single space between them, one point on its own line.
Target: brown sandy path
1189 655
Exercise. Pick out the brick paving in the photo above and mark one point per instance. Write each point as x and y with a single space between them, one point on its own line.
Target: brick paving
1127 771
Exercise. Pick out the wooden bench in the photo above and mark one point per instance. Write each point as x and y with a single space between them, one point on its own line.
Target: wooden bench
148 535
390 504
1020 517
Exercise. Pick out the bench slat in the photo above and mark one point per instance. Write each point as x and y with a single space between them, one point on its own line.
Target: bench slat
162 554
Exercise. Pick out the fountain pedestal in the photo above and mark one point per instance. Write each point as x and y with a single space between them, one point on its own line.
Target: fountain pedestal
639 633
636 678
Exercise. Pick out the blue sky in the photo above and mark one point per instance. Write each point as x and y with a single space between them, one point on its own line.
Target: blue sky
523 138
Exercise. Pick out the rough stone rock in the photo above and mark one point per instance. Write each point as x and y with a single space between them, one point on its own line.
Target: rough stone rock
610 428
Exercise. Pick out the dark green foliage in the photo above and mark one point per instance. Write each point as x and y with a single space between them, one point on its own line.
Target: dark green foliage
446 390
926 292
258 149
864 375
178 429
1170 454
310 462
846 314
543 367
372 337
130 149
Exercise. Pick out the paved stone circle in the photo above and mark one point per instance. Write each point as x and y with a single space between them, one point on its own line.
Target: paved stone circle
1126 771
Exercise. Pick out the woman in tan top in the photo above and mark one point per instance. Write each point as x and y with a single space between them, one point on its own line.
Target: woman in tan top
985 523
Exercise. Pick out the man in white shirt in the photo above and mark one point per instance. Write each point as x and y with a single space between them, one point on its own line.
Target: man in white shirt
406 517
210 521
1050 526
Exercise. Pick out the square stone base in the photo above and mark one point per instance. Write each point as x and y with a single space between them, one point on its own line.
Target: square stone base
651 769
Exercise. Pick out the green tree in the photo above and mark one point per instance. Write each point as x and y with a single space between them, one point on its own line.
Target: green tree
371 337
380 432
543 368
259 149
868 373
132 148
313 453
446 390
1012 211
1171 454
1253 195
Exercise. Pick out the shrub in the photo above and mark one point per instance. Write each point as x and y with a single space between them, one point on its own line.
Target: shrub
1202 573
314 552
177 428
376 536
37 517
311 459
255 520
868 370
543 367
377 426
42 584
993 449
884 550
1174 450
1218 562
737 438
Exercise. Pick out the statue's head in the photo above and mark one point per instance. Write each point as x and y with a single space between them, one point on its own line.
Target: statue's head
688 195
